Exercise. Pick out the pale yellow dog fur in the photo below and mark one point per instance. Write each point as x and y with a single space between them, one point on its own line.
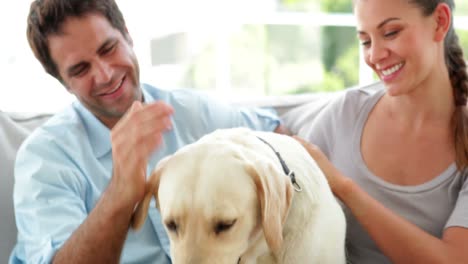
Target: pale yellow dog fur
231 177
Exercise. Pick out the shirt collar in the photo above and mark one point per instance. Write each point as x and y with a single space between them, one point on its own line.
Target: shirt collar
98 133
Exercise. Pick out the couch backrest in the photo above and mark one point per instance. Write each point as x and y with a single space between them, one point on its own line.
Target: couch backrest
14 129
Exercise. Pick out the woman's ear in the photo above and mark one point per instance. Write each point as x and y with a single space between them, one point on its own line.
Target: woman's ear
443 18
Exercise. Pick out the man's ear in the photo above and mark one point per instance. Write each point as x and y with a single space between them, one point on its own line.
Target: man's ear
443 18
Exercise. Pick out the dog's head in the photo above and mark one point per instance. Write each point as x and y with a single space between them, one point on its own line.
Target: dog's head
215 198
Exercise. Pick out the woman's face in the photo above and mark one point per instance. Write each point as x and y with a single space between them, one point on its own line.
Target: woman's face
398 42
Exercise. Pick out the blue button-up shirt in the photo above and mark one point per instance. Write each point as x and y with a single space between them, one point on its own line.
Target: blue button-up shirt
63 168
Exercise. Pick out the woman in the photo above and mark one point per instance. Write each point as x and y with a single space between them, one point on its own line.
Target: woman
397 156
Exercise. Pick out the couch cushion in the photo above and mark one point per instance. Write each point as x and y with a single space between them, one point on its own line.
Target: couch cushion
13 130
294 110
296 117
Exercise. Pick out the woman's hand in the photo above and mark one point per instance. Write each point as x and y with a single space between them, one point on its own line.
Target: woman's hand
335 179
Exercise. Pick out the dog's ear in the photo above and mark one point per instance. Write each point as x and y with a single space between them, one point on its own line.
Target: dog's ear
275 194
152 186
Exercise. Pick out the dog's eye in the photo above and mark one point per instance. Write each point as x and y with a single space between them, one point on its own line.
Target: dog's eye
171 226
224 226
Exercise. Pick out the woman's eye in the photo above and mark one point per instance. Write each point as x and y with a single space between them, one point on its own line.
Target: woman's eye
391 33
365 43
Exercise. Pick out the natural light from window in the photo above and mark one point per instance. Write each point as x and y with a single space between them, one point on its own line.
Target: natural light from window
230 49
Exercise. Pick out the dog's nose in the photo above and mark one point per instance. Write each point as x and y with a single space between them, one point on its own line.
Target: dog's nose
238 262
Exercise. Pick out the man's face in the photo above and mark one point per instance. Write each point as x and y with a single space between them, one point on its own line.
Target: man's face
97 64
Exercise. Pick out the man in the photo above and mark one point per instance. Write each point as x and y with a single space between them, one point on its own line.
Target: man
80 176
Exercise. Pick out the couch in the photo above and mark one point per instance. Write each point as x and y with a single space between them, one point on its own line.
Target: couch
14 128
295 111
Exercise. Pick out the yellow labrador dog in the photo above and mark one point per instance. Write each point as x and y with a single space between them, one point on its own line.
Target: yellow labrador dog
228 199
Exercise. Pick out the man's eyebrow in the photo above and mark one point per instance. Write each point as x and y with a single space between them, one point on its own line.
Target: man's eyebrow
381 24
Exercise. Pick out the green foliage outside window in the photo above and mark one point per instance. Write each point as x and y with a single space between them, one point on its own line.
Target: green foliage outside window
463 41
298 5
340 50
461 7
282 59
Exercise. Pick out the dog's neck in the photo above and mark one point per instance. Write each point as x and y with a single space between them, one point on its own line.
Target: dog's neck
285 167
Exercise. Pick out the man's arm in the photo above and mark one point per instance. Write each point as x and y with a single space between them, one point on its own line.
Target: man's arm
100 238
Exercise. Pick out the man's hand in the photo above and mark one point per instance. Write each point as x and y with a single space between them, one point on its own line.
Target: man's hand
134 138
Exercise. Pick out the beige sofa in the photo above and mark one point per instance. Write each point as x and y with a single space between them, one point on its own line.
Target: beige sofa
14 128
296 111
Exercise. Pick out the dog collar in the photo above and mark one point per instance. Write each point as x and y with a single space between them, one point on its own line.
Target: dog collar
286 170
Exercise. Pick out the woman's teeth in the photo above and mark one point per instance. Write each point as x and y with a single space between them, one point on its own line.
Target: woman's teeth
392 69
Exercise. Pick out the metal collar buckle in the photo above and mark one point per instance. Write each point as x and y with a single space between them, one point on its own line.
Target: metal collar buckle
286 170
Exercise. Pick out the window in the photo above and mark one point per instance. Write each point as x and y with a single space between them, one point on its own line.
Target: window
227 48
461 24
273 47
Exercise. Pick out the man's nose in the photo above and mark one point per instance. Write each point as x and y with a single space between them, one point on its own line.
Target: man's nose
102 72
